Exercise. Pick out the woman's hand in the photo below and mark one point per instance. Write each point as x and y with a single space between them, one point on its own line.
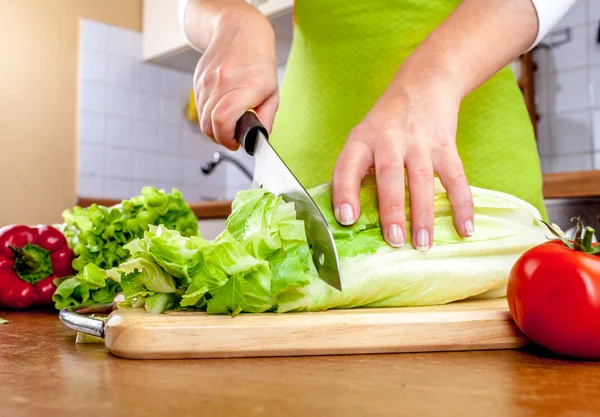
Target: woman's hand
412 126
237 72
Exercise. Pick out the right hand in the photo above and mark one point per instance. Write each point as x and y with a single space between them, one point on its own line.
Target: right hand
237 72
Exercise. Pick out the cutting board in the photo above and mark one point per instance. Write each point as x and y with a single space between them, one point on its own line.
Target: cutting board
465 325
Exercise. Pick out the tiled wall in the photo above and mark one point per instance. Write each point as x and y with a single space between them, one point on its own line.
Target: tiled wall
132 131
568 93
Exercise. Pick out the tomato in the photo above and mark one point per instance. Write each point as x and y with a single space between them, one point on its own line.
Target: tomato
554 297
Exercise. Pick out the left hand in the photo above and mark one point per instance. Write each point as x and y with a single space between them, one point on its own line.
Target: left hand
413 126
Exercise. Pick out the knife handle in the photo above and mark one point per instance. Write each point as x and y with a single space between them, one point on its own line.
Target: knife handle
247 129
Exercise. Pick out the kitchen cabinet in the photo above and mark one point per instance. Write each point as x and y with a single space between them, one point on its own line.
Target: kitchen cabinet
164 43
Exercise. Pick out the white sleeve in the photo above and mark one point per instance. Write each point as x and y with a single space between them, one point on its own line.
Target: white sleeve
549 12
181 17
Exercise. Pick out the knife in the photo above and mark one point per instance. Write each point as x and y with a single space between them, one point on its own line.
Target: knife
272 174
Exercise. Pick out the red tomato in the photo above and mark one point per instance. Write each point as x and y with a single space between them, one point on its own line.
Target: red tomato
554 297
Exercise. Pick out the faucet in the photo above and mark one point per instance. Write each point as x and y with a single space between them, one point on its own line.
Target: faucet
208 167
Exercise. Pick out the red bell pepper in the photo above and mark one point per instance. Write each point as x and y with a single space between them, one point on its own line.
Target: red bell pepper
31 258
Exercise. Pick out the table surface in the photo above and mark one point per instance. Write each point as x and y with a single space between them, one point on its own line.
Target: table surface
44 373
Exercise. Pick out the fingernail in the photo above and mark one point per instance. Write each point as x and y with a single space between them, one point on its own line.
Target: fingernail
469 227
422 240
395 236
346 214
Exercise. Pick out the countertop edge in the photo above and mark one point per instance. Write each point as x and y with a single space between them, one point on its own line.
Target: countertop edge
204 210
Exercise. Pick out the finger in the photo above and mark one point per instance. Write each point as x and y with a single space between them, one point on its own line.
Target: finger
421 188
228 111
203 87
350 168
266 111
206 118
450 170
389 171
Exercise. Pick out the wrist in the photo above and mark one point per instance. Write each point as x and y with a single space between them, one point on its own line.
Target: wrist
419 80
245 19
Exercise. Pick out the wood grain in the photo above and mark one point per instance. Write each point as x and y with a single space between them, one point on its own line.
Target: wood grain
203 210
572 184
470 325
44 373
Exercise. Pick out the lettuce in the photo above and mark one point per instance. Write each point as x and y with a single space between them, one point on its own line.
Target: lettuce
100 236
262 261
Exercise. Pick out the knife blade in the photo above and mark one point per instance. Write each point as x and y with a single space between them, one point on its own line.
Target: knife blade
272 174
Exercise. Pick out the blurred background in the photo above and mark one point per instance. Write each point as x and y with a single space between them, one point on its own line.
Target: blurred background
96 104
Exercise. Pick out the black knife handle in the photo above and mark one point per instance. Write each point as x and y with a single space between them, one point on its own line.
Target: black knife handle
246 131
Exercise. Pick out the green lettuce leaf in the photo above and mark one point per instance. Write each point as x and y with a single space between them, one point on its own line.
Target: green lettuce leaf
263 262
100 235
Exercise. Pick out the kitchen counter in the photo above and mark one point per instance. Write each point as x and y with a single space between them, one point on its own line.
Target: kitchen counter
43 372
203 209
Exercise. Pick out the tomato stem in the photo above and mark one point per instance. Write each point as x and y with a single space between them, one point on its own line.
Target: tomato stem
583 237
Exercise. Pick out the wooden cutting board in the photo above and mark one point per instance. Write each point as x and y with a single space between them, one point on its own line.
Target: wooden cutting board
466 325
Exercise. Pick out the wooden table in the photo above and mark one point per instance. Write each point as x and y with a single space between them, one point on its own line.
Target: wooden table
44 373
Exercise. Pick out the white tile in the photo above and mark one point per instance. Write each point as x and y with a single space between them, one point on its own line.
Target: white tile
169 82
596 129
121 102
571 91
594 85
93 97
92 128
135 45
186 83
572 163
192 142
90 186
119 188
120 71
146 78
147 106
213 192
575 16
191 173
543 95
236 178
543 138
171 109
145 165
138 185
571 133
146 135
541 56
170 167
597 160
120 132
570 55
120 41
92 65
593 11
231 193
171 138
546 165
592 42
94 35
91 160
117 163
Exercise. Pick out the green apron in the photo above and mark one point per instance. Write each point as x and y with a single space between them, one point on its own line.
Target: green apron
344 55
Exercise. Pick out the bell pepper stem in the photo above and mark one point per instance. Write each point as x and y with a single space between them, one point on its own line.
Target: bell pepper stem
32 262
29 262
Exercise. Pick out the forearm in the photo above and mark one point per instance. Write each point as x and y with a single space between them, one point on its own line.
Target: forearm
201 18
478 39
